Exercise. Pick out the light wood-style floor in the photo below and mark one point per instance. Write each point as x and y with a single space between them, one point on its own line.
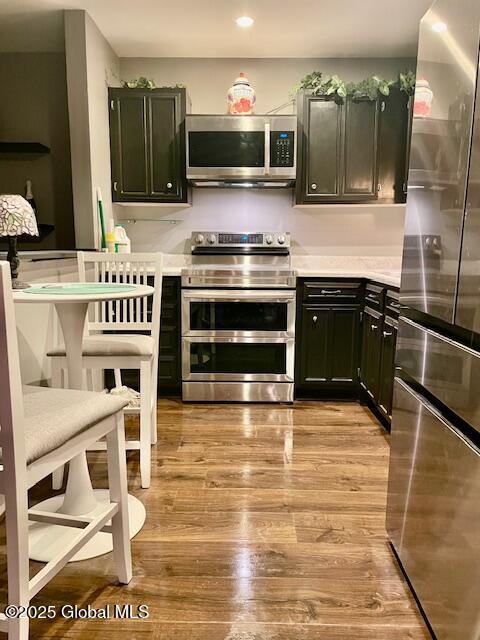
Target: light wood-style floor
264 523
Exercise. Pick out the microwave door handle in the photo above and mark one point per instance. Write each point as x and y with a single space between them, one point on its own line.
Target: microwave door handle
267 148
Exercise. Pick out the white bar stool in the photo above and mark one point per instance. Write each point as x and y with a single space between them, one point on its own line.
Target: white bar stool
41 429
129 349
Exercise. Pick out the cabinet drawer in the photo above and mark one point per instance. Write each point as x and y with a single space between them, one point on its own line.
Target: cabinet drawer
374 296
392 303
318 292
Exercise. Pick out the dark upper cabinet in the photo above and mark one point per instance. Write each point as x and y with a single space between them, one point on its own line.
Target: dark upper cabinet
147 144
353 151
128 140
372 327
337 149
322 140
394 146
360 149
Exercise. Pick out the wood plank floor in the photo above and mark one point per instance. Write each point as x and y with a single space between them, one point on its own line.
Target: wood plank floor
264 523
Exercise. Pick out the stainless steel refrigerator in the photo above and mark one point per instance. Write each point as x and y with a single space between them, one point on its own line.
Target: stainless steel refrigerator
433 513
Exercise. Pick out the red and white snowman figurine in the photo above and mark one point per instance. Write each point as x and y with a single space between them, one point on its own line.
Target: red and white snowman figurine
241 97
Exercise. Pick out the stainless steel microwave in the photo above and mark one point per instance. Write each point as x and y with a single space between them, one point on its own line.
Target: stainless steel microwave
243 151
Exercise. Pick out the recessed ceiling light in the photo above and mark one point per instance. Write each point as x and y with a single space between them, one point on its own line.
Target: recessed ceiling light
439 27
244 21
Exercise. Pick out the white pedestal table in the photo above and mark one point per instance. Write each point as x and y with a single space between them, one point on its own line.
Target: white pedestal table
80 498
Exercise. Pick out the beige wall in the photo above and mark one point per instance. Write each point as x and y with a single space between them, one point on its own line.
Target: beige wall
33 108
92 67
208 79
336 230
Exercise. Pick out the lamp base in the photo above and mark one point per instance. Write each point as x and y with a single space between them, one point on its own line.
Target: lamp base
16 284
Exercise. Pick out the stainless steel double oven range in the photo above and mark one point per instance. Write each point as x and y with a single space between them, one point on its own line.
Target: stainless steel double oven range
238 318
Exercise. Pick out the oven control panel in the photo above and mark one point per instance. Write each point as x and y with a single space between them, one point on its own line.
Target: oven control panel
229 239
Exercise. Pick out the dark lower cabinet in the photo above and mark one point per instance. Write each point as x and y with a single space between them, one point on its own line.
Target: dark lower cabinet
327 347
387 367
379 337
169 357
147 144
313 345
346 338
372 323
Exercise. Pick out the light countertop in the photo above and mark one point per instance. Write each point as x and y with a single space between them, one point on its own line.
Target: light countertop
383 269
31 256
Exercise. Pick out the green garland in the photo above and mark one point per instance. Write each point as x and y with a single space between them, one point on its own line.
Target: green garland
370 88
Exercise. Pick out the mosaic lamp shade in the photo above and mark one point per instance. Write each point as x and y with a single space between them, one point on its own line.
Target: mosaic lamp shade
17 218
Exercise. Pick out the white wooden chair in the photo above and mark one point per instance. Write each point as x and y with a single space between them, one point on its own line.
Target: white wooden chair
128 350
33 443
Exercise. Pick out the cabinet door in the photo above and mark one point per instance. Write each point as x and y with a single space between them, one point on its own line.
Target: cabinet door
128 143
360 150
371 345
314 344
164 147
387 368
342 345
393 147
322 148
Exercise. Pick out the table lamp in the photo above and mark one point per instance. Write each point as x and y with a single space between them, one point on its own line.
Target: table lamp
17 218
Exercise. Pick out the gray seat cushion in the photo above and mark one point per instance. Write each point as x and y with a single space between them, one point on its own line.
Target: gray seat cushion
112 345
54 416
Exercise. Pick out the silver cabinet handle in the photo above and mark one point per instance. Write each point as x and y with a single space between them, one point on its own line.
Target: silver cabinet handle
372 296
169 185
374 326
395 305
386 334
314 319
115 185
330 291
313 186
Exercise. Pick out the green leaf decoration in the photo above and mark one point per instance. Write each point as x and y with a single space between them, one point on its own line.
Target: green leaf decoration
370 88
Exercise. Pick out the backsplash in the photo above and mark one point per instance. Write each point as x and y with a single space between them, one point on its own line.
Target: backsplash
330 230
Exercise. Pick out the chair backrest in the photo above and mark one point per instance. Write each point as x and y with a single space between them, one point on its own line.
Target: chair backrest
139 314
12 440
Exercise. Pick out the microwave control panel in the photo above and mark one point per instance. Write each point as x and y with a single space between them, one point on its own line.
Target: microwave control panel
282 148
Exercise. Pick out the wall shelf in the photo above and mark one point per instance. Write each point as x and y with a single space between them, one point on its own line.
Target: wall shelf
374 205
22 150
44 230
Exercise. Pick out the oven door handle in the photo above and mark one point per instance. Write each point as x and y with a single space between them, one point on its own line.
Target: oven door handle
267 148
239 296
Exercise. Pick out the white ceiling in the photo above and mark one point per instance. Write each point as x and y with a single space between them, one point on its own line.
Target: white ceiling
206 28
